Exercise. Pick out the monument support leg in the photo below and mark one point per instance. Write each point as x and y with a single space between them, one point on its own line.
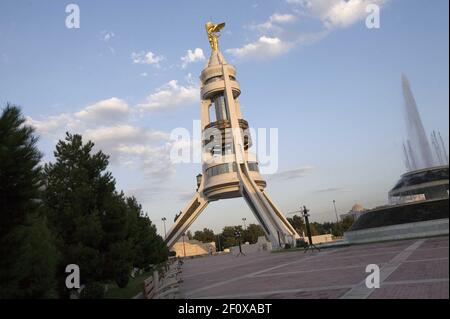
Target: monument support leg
188 215
291 231
274 224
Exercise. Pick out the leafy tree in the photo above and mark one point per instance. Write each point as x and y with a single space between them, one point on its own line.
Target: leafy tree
159 250
149 246
346 223
90 223
28 263
219 242
28 255
205 236
337 229
298 223
98 228
89 218
94 290
314 229
19 170
252 233
329 228
228 238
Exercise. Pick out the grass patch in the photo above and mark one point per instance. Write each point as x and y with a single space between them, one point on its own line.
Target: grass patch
134 287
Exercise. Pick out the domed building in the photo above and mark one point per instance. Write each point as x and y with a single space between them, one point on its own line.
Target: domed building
356 211
358 208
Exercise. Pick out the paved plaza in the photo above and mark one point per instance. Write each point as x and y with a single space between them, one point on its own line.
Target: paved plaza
409 269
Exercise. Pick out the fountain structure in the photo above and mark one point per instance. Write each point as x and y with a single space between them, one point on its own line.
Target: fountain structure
418 203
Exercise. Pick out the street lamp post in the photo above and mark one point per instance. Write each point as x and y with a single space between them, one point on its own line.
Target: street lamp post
164 222
308 230
218 241
335 211
184 247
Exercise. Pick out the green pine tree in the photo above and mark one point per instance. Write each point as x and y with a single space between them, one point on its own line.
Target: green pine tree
98 228
28 255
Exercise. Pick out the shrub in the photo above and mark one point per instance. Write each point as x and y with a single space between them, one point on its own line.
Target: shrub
95 290
122 279
301 243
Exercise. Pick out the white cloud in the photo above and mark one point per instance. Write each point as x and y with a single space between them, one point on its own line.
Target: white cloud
310 38
108 36
262 48
153 160
53 125
282 18
337 13
146 58
110 110
185 196
274 22
127 144
124 134
302 2
190 79
107 111
159 165
292 174
332 13
192 56
333 190
137 147
109 125
150 191
171 95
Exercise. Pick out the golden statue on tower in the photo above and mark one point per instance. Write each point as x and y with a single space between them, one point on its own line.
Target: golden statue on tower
213 31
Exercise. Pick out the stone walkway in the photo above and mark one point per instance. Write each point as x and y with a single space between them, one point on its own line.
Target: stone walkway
409 269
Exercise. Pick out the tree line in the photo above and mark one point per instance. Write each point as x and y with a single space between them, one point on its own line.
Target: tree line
227 237
65 212
336 229
250 234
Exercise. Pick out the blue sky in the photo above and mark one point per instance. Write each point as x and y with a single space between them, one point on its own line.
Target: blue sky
310 68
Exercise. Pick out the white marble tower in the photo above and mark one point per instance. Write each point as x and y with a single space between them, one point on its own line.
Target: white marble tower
228 168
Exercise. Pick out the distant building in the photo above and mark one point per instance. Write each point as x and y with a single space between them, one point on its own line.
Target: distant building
356 211
185 247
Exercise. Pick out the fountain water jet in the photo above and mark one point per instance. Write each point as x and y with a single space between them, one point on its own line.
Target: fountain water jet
420 155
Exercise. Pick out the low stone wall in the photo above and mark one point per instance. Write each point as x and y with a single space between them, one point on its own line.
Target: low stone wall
401 231
403 214
320 239
193 248
246 249
264 245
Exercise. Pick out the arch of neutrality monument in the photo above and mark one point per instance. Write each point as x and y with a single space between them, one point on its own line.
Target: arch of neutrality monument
229 170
